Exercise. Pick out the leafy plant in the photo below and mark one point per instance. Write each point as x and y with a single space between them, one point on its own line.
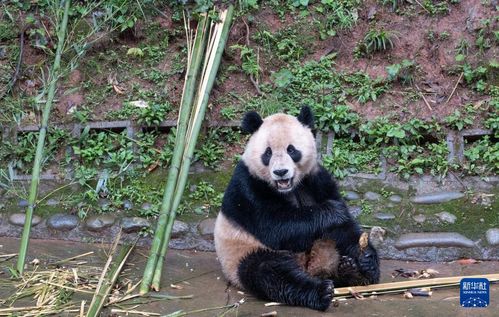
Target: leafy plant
364 87
377 41
154 114
348 157
339 119
482 157
402 72
460 120
249 62
381 130
336 14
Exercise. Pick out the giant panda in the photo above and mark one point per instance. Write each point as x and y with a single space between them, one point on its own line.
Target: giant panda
284 232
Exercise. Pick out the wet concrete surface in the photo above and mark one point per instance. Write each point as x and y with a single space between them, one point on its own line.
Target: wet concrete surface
198 274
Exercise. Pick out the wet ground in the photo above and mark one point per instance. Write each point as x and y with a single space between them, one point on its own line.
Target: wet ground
198 274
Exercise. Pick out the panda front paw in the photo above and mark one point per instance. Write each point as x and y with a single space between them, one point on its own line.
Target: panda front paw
325 295
369 265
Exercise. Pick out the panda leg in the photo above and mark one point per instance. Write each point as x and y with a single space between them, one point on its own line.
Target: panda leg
276 276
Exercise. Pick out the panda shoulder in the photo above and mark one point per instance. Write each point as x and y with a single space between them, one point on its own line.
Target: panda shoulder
324 182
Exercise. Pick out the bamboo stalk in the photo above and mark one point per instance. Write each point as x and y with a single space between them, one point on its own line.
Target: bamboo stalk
187 96
400 286
35 174
106 284
210 69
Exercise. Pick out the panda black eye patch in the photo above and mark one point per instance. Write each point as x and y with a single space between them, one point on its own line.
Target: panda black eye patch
294 153
266 156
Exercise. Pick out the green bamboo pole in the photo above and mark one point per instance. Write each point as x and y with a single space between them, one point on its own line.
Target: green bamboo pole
35 174
212 63
185 107
108 282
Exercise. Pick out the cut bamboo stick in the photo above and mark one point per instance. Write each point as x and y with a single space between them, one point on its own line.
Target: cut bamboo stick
54 76
216 44
194 63
345 291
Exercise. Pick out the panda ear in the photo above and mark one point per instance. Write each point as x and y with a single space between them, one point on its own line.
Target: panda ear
306 117
251 122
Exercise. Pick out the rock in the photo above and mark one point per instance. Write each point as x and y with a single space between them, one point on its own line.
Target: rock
437 198
372 196
104 203
52 202
446 217
384 216
134 224
207 227
99 222
62 222
23 203
350 195
395 198
433 239
179 228
18 219
377 236
127 205
355 211
493 236
419 218
146 206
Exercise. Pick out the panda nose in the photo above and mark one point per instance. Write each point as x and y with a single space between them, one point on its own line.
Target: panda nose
280 172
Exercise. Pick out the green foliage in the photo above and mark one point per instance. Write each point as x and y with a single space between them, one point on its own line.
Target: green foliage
339 119
482 157
229 113
212 147
154 114
364 87
407 160
249 61
377 41
436 7
348 157
461 119
381 130
336 14
286 44
204 197
22 153
402 72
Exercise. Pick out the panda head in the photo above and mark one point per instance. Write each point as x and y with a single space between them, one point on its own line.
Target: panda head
281 149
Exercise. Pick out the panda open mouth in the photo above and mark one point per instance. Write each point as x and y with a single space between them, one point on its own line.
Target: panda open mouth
284 184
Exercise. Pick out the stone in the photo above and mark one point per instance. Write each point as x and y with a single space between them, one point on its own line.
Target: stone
395 199
134 224
437 198
99 222
384 216
419 218
104 203
493 236
446 217
433 239
146 206
23 203
52 202
63 222
351 195
207 227
18 219
179 228
377 236
355 211
372 196
127 204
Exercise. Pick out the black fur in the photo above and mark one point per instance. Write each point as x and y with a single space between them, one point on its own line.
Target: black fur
289 222
294 153
306 117
251 122
275 275
266 156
